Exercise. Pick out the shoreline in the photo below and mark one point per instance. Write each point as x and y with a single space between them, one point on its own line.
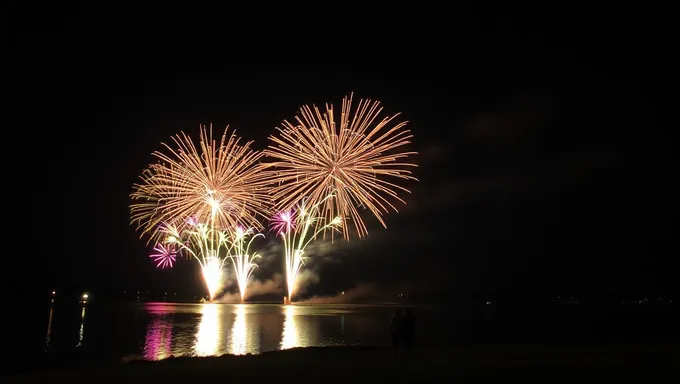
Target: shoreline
351 363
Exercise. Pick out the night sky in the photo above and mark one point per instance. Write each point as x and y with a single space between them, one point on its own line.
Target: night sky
521 128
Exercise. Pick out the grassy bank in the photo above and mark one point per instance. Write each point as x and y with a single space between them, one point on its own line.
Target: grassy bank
630 363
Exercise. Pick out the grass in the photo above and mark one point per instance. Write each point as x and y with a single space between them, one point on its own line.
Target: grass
631 363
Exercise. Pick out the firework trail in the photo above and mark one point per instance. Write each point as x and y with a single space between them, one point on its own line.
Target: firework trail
195 197
358 160
298 227
242 258
217 183
212 248
203 243
164 255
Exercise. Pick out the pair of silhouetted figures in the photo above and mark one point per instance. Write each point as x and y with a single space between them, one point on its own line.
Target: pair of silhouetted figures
403 331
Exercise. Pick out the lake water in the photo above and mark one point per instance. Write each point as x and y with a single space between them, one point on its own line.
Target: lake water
155 331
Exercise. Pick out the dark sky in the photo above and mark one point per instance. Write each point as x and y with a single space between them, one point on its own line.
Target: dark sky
521 125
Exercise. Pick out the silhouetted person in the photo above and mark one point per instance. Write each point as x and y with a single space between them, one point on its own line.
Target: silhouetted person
409 331
397 330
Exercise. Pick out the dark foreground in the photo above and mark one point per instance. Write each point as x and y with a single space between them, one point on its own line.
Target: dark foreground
597 364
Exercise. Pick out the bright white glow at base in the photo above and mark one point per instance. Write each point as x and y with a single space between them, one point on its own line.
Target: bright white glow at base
212 273
207 337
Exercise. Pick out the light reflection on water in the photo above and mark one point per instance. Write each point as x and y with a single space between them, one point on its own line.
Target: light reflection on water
290 337
155 331
208 333
159 330
298 330
82 327
158 343
219 329
239 332
49 329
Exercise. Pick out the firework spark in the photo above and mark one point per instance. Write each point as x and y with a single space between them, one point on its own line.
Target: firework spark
164 255
195 196
212 248
298 228
215 182
242 258
283 222
202 242
354 160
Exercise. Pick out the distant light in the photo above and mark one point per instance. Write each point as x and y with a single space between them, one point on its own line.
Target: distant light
54 293
85 296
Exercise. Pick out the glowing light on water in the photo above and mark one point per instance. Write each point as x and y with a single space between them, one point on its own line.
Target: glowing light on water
82 326
239 332
290 337
49 329
207 338
158 342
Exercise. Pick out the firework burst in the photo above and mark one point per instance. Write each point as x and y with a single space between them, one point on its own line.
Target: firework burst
220 183
164 255
357 159
298 227
194 197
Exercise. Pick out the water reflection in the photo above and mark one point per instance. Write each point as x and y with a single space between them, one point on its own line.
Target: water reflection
207 336
214 329
82 324
158 343
290 337
173 329
239 331
49 330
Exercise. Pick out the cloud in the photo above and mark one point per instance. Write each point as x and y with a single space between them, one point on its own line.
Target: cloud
511 122
361 291
306 278
267 278
378 291
274 285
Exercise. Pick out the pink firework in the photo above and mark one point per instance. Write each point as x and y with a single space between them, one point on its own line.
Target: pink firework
192 220
164 255
283 222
